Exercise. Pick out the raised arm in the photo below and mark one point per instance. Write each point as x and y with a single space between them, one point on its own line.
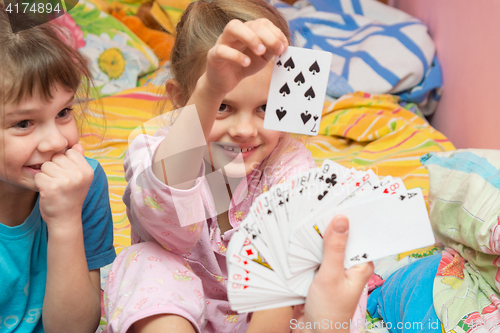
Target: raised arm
241 50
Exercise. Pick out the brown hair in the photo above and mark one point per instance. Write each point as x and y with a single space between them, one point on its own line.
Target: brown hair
200 26
197 32
35 57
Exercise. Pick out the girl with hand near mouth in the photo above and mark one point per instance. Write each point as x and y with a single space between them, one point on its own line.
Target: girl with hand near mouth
56 230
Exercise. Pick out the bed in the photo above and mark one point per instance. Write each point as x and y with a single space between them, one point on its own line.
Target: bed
387 79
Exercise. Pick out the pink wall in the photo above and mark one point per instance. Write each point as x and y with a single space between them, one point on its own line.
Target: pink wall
467 37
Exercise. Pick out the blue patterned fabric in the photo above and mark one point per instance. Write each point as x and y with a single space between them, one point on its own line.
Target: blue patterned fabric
405 301
377 49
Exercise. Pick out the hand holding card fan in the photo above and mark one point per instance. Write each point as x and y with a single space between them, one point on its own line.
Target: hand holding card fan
274 256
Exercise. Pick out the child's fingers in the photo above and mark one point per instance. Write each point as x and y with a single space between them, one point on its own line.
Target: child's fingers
50 169
360 274
270 35
273 44
78 147
222 53
334 244
42 180
76 155
239 35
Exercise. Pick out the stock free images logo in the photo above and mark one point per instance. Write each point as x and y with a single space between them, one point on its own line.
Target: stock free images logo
26 14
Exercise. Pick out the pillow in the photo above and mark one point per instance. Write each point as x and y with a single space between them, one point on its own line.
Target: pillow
376 48
464 201
116 56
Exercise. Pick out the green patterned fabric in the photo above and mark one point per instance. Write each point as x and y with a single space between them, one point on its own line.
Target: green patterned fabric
464 202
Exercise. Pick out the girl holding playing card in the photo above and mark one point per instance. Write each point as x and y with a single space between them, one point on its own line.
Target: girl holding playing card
173 278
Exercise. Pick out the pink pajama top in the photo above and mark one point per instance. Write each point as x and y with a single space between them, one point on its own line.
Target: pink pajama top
154 208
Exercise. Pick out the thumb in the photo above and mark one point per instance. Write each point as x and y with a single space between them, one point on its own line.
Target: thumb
334 244
78 147
360 274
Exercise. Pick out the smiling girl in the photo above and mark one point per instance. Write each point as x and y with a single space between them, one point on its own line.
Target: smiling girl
173 279
55 220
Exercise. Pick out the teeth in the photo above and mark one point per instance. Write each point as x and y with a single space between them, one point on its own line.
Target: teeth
243 150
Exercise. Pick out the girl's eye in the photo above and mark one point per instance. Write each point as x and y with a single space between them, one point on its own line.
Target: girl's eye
64 113
223 108
263 107
23 124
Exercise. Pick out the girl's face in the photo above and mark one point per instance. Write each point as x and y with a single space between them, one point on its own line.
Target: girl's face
31 133
239 123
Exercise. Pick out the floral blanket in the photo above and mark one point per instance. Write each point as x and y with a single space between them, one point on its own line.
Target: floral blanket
465 215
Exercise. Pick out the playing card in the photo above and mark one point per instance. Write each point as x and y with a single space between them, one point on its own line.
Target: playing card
385 226
297 91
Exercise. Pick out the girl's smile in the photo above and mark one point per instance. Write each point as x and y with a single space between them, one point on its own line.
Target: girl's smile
31 133
234 150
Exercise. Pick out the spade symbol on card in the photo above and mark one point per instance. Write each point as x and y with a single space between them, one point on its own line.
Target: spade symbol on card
309 93
315 118
279 64
402 197
365 256
314 68
285 90
280 113
289 64
299 79
321 196
305 117
269 211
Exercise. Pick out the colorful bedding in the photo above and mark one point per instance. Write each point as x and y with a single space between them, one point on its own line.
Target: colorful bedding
123 113
376 48
458 290
465 215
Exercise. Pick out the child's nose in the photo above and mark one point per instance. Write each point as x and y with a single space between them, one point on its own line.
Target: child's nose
52 140
243 126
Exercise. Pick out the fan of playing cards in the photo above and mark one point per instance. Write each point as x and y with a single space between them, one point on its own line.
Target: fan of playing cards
274 255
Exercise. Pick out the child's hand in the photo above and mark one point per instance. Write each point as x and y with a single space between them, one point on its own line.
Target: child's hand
334 293
63 184
241 50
